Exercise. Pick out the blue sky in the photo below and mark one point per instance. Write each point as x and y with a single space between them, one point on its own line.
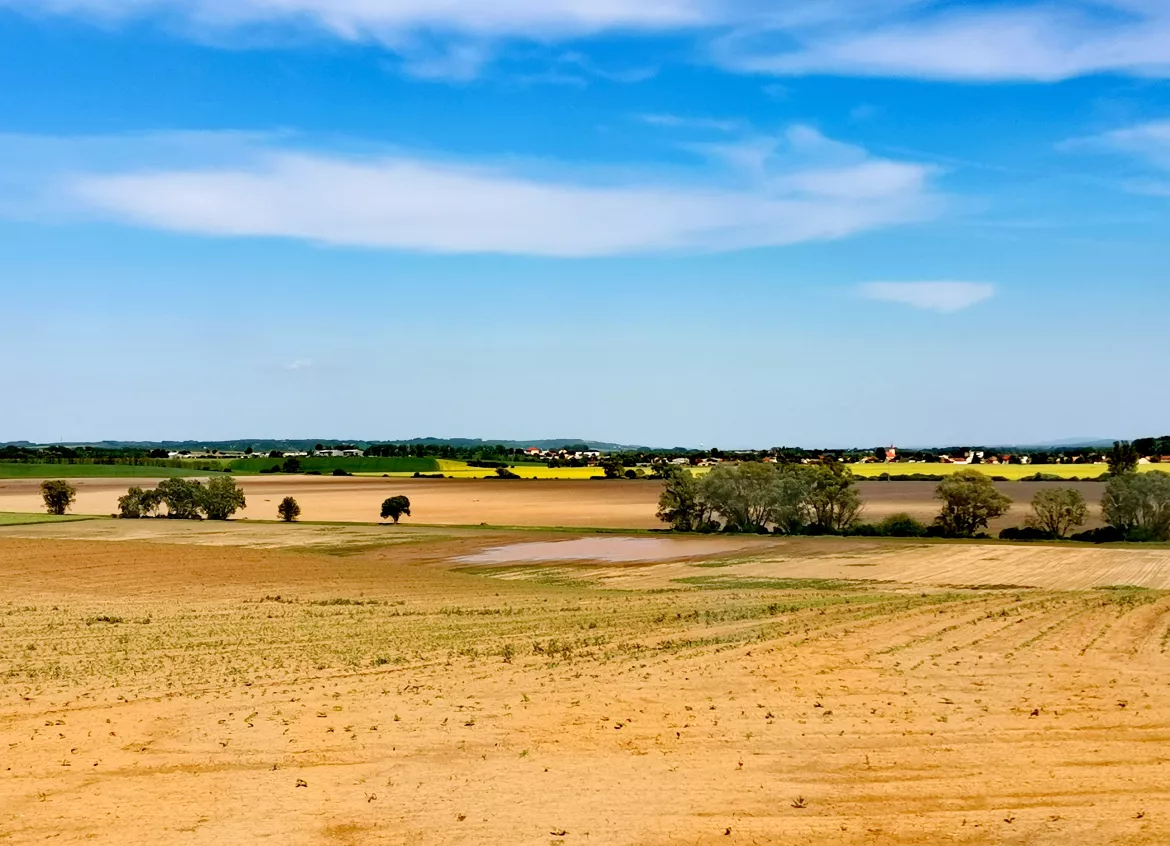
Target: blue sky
720 222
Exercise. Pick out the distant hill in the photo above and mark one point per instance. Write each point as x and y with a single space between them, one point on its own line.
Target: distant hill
267 444
305 444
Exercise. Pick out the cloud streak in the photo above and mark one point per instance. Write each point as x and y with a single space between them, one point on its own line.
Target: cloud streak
941 297
1147 145
1025 41
806 189
1029 40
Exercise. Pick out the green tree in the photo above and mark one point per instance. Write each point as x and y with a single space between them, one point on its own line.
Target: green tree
678 504
612 465
1146 447
1058 511
743 495
833 497
150 502
130 505
970 502
58 495
291 465
182 497
1123 458
222 498
791 498
1139 505
752 496
395 507
288 510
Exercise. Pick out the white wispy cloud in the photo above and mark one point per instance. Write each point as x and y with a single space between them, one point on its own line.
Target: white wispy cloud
929 39
804 188
1146 146
1149 141
703 124
942 297
387 19
446 40
1034 40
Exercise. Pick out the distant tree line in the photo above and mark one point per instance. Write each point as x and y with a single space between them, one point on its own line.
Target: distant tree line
1150 448
497 453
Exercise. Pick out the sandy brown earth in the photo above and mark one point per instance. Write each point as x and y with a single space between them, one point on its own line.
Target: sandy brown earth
382 689
594 504
620 504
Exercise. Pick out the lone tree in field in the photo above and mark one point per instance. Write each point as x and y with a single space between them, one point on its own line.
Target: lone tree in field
1123 458
1139 505
970 502
1058 511
288 510
395 507
59 496
222 498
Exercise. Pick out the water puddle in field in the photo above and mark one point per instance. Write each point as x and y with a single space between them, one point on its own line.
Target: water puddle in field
613 550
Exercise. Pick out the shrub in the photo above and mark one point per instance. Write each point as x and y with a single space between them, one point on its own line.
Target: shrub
291 465
341 472
863 530
505 473
901 525
1025 533
1106 534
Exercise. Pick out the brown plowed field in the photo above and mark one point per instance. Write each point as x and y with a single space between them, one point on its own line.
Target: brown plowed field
377 688
593 504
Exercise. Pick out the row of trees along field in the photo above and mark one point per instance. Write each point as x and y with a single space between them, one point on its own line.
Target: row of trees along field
186 499
818 499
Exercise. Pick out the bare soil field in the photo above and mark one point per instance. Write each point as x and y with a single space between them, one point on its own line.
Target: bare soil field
588 504
376 685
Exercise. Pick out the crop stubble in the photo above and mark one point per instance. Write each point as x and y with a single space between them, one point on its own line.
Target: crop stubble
173 691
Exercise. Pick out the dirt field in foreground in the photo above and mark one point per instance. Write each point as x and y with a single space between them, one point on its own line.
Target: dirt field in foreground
387 693
596 504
